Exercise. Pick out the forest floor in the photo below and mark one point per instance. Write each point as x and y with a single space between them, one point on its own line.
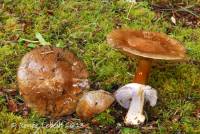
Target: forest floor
82 26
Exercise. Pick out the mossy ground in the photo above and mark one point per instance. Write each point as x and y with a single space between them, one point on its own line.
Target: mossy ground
82 26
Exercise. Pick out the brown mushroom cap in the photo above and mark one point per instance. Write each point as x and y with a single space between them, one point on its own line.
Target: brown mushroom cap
93 102
51 80
146 44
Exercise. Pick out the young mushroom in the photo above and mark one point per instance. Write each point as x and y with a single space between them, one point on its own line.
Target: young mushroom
147 46
51 81
93 102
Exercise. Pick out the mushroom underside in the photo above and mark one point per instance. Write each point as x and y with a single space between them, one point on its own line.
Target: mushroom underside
132 97
146 44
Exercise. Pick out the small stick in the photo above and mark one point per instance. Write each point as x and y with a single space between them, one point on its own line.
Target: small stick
48 52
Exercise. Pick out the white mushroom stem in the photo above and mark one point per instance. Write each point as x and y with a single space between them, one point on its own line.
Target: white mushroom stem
132 97
135 113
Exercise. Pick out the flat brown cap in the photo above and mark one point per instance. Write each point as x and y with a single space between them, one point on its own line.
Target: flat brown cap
51 80
146 44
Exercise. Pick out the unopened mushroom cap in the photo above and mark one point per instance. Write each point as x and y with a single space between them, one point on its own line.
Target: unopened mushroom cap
146 44
93 102
51 80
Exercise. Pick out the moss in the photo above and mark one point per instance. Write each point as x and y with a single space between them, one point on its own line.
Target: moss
129 131
9 60
82 26
11 123
107 65
105 118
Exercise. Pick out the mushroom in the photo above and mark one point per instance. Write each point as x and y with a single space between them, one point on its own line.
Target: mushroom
51 81
93 102
132 96
147 46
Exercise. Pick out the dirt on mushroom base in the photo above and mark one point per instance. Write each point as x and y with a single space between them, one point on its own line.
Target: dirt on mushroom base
71 24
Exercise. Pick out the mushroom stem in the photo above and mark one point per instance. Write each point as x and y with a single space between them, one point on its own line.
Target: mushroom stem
135 113
143 70
132 96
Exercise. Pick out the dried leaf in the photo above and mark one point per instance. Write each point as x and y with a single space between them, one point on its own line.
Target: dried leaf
176 118
1 93
12 106
10 91
197 113
95 122
173 20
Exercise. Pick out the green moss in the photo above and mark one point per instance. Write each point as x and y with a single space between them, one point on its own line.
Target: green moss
108 66
129 131
105 118
82 26
9 60
11 123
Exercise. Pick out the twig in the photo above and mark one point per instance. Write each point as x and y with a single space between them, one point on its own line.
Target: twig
47 52
31 41
7 42
186 10
183 9
194 62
